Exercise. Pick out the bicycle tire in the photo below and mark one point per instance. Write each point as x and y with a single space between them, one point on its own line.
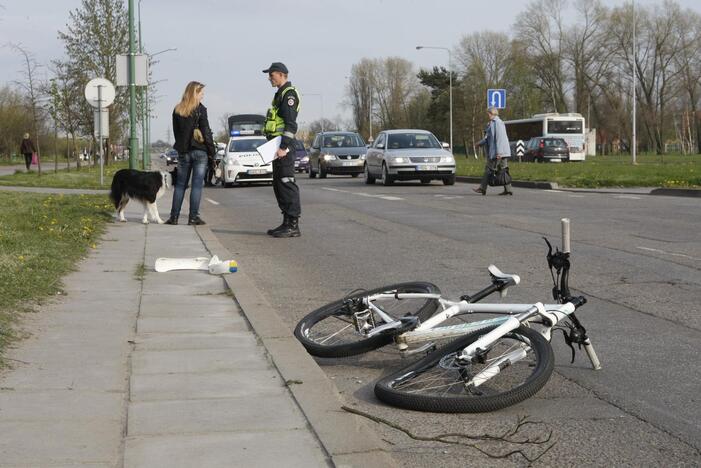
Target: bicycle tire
358 343
398 390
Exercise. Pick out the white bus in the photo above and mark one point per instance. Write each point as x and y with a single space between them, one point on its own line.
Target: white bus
569 127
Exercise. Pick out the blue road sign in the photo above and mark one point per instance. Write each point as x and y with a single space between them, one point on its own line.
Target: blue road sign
496 98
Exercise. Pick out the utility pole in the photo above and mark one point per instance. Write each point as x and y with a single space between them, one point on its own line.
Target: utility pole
634 143
145 163
133 141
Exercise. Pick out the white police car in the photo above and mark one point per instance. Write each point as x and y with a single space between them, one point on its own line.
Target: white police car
242 163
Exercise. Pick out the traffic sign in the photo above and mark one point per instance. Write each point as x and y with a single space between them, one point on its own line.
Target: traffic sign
496 98
520 148
99 92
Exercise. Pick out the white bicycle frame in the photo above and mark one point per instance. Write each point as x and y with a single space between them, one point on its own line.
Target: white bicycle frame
549 315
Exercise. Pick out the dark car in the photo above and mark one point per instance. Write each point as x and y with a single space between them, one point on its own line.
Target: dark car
301 157
171 157
546 149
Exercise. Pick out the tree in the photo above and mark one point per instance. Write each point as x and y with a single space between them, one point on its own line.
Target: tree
67 103
688 61
96 33
32 87
14 120
540 29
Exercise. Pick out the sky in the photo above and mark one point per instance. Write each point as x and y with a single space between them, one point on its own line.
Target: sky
227 43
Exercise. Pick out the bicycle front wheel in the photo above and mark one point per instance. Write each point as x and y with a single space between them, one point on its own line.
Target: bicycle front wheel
513 369
333 330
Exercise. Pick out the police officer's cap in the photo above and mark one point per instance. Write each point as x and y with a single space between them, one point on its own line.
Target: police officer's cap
278 67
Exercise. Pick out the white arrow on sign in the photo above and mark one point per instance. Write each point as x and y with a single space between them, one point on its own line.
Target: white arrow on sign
496 99
520 148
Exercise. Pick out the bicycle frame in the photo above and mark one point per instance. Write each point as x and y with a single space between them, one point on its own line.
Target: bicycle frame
512 315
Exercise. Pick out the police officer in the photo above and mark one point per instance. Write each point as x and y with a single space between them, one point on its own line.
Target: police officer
281 120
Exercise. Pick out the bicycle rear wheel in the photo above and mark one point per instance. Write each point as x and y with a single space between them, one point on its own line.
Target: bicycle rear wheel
441 383
331 330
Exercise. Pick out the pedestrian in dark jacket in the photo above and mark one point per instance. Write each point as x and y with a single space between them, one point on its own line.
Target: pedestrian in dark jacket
194 143
27 148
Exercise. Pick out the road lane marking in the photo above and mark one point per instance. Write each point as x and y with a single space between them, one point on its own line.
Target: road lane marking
363 194
628 197
673 254
552 190
212 201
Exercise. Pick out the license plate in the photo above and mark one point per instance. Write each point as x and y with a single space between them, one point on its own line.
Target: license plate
427 167
555 160
349 163
257 171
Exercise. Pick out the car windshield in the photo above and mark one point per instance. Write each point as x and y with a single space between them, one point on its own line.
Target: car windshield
240 146
342 141
412 141
172 152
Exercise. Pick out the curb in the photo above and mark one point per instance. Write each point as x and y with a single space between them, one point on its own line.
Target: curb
514 183
676 192
347 438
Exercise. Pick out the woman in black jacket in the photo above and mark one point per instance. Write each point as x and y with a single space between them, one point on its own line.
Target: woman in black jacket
194 143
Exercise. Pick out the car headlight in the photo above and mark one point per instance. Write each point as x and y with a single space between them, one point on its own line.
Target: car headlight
362 157
399 159
305 159
447 159
329 157
232 161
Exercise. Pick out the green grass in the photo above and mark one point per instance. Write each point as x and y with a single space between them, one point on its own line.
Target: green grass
41 239
85 178
674 171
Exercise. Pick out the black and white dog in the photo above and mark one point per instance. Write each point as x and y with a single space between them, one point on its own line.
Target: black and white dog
146 187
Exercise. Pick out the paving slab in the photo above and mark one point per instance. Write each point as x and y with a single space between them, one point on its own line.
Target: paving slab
291 449
185 341
200 360
269 413
230 384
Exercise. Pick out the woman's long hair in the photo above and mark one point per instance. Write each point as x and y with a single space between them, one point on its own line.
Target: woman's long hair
189 101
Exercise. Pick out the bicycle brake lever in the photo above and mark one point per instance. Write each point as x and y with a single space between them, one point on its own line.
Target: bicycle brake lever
568 341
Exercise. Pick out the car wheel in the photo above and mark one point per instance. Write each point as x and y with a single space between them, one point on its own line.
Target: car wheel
322 171
387 179
369 178
450 180
354 175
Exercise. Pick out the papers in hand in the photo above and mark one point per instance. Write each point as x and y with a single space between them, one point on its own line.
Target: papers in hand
268 151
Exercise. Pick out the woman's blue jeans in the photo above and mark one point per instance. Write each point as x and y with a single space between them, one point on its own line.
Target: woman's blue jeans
195 163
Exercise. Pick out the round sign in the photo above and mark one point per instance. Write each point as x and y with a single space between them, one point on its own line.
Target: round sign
99 88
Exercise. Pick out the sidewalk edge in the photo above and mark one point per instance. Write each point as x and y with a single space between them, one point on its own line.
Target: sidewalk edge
343 435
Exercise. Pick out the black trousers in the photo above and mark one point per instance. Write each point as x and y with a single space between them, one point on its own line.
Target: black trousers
285 187
28 160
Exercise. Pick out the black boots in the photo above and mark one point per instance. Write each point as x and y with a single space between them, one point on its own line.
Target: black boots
196 221
290 229
280 227
172 220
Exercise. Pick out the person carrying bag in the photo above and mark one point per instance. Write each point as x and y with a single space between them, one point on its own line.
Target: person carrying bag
496 170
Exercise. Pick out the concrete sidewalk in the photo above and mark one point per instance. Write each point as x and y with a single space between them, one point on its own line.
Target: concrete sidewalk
142 369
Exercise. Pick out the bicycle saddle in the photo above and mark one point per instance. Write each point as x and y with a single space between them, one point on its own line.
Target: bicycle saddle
498 274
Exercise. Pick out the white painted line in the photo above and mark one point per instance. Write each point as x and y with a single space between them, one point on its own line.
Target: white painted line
628 197
674 254
552 190
363 194
576 196
212 201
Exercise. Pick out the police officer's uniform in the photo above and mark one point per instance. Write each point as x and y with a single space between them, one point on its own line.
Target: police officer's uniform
281 120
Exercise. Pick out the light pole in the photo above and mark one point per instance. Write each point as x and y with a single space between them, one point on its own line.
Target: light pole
450 85
634 143
133 142
321 98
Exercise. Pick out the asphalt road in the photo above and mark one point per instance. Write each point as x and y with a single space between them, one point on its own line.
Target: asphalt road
637 258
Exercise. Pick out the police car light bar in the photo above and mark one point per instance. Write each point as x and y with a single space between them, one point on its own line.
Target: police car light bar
244 132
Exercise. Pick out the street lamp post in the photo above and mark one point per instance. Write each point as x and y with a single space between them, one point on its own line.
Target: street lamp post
321 98
634 142
450 85
133 142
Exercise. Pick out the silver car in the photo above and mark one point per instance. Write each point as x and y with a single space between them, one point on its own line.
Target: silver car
337 153
409 155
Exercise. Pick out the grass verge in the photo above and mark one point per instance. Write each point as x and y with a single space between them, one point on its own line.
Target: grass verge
85 178
672 171
41 239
